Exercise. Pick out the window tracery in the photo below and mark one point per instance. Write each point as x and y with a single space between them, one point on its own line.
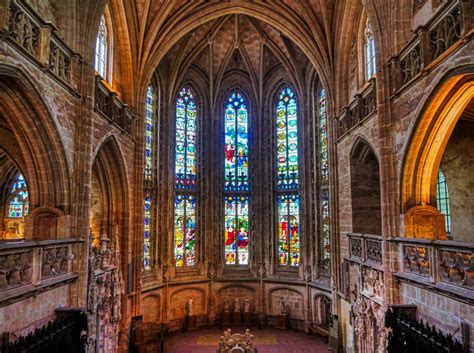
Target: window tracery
287 178
324 180
101 49
185 179
150 126
370 56
236 186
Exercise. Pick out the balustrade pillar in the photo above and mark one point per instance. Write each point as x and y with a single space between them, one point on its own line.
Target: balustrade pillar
44 48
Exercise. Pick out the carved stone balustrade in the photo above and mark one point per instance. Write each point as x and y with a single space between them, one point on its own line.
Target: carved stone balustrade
362 107
366 248
431 44
30 266
111 107
39 42
442 264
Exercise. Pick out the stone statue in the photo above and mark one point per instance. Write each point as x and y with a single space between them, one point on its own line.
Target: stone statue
237 305
226 305
282 306
190 307
247 305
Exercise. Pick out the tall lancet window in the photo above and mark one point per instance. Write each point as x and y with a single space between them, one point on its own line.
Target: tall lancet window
287 178
236 184
101 49
148 227
442 199
369 46
185 179
324 180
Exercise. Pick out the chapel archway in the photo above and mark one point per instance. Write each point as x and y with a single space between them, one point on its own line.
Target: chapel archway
445 118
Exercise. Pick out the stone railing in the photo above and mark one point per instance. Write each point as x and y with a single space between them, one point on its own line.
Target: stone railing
27 266
365 248
38 41
107 103
431 43
438 262
363 106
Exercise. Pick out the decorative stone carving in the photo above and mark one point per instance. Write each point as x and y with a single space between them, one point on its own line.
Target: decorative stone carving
23 30
247 305
15 269
456 267
372 282
236 305
55 261
105 292
236 342
416 259
283 309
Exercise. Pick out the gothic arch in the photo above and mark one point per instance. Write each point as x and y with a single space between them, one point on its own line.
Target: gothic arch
365 189
109 178
39 153
437 118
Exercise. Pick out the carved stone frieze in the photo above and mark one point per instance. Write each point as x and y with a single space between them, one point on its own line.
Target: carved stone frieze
372 282
15 269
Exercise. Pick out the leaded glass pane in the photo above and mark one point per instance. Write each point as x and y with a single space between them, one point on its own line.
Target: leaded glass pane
288 229
236 230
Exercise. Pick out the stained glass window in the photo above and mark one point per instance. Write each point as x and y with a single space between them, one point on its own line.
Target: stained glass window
287 178
19 201
148 231
149 122
236 144
185 179
443 199
287 140
324 180
185 163
185 229
236 181
288 229
370 58
237 230
101 49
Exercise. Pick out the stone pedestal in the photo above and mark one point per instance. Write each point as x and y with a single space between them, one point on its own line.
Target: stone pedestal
247 318
236 318
190 323
226 318
282 322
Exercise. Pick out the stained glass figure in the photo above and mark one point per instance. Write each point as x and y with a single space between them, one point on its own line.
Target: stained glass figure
288 229
443 200
19 200
324 179
185 230
101 49
370 57
186 139
287 140
236 230
236 143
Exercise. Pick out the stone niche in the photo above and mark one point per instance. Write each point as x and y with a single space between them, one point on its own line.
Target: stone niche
47 223
179 299
294 302
239 292
151 309
425 222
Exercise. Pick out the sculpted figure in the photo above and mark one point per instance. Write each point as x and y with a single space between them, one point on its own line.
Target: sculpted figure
226 305
282 306
190 307
237 305
247 305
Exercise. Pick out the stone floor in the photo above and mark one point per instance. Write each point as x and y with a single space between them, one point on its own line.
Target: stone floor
267 340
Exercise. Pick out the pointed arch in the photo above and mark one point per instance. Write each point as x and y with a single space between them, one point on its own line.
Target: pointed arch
34 140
